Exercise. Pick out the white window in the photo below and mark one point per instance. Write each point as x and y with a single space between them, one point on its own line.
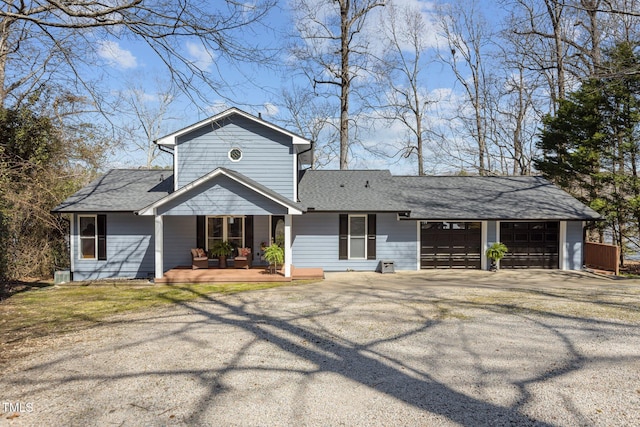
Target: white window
225 228
357 236
88 236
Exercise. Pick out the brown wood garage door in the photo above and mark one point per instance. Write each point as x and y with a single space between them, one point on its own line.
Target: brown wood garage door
450 244
530 244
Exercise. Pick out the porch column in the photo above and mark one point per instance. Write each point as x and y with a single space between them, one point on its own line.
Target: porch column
562 246
484 245
287 246
159 246
72 242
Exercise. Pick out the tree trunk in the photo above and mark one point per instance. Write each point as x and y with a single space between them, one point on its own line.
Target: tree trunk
5 31
344 83
591 9
555 9
419 144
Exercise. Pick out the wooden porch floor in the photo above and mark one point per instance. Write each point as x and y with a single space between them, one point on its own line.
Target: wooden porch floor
183 275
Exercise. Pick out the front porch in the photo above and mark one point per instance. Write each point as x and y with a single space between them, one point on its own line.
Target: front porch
182 275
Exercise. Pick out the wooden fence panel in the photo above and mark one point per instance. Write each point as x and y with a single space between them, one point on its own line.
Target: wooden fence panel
602 257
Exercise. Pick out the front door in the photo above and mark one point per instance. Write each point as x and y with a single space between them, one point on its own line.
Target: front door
277 230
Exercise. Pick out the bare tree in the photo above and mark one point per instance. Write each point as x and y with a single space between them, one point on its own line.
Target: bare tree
622 19
148 113
542 26
517 119
468 40
401 95
312 117
571 35
53 41
332 50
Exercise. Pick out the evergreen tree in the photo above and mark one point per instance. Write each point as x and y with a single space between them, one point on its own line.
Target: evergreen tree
591 146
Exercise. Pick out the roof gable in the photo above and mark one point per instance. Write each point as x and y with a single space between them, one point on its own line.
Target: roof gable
171 139
292 207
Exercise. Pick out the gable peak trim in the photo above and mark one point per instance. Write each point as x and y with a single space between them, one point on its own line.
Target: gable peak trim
170 140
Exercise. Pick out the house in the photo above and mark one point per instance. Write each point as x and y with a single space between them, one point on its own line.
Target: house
239 178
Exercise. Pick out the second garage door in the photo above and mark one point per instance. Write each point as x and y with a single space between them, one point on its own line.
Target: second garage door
450 244
530 244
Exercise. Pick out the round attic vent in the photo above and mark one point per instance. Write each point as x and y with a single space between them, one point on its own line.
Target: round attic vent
235 154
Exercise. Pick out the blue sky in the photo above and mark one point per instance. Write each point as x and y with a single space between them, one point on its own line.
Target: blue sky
252 88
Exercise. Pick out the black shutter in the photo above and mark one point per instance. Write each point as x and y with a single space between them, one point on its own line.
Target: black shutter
248 232
200 232
371 236
102 237
343 239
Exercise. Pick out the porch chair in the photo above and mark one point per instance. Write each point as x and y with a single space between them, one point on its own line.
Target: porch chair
243 260
199 259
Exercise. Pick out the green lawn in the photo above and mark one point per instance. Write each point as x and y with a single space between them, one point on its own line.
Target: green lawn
45 310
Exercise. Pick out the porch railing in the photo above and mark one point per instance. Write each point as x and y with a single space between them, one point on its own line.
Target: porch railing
602 256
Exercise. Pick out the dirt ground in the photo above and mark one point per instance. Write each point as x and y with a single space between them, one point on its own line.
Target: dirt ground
424 348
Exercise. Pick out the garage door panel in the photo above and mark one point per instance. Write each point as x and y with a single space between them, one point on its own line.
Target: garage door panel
450 245
530 244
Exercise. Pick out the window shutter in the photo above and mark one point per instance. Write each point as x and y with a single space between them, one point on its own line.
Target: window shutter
200 232
343 238
371 236
248 232
102 237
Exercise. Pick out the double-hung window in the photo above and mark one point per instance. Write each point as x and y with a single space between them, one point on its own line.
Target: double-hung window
92 237
357 236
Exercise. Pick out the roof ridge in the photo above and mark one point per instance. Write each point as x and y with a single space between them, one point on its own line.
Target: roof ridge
468 176
139 169
349 170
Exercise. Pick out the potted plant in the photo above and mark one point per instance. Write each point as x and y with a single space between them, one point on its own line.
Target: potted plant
274 254
495 253
221 250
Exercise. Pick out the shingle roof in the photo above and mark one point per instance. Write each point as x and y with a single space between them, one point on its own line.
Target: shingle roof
489 198
441 197
120 190
426 197
349 190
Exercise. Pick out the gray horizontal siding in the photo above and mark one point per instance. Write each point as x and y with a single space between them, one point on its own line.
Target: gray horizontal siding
221 196
315 243
574 246
130 249
179 239
267 155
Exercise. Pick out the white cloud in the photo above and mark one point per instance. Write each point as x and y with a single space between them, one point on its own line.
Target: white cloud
200 56
270 110
115 55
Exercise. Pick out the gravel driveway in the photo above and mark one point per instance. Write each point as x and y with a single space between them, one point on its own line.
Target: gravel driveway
431 348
